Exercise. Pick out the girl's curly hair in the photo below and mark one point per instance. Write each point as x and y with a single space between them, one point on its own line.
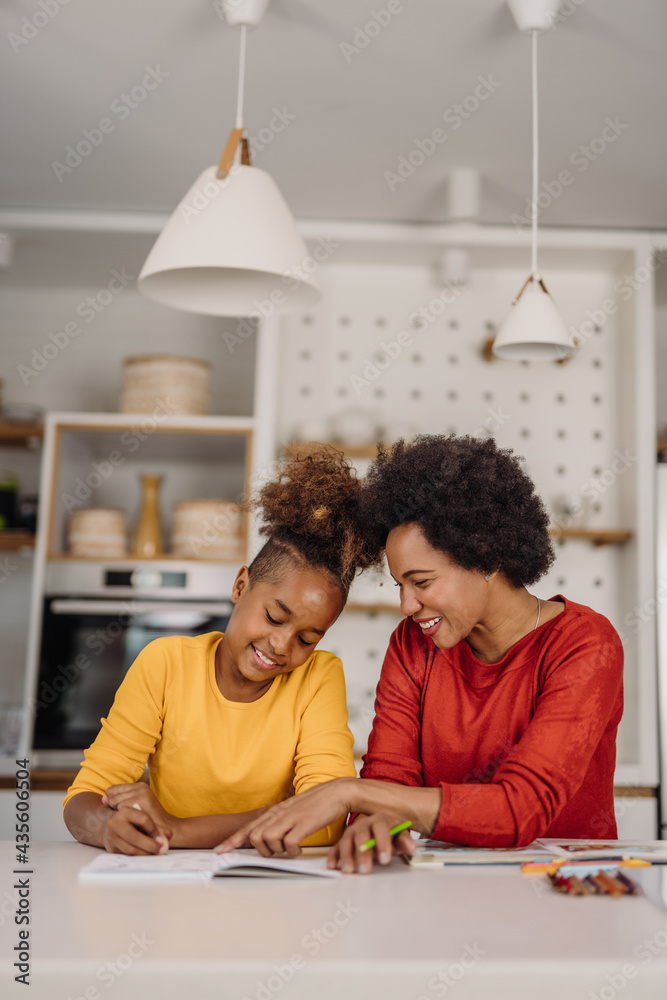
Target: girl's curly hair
470 499
311 514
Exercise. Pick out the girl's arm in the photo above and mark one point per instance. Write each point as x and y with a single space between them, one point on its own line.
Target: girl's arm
195 832
129 819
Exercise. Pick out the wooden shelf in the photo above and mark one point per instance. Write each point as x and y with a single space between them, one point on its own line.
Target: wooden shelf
17 435
10 541
598 536
349 450
43 780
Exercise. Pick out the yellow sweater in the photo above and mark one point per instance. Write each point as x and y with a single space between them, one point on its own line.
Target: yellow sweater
207 755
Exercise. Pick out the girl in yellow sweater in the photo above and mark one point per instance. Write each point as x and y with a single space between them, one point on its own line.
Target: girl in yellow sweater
231 724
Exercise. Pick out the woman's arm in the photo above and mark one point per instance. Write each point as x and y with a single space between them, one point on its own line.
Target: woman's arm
283 827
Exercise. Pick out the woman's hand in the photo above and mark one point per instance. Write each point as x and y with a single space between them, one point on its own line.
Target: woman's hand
348 853
139 825
282 827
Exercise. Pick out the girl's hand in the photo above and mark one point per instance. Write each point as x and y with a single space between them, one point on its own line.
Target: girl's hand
129 830
139 812
281 828
347 854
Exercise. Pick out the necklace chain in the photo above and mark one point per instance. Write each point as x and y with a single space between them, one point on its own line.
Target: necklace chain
539 611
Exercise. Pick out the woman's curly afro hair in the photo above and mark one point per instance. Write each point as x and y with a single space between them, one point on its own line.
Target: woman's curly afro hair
311 514
470 499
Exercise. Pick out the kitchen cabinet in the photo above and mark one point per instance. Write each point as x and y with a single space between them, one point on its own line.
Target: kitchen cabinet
97 460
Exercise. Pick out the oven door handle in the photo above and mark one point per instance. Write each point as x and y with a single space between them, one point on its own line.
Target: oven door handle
132 608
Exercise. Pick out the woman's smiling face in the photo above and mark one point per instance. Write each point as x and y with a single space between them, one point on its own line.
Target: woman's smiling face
275 627
445 600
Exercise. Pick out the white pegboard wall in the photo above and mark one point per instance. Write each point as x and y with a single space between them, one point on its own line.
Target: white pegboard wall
384 341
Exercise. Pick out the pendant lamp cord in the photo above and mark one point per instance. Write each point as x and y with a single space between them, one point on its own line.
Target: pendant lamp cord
535 159
239 99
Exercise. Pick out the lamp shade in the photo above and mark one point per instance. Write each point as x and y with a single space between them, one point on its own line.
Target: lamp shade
231 248
534 329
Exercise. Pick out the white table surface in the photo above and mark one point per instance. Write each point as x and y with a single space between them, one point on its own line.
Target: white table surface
398 934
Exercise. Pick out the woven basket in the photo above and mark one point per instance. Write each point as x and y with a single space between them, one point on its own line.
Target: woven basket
177 384
207 529
97 532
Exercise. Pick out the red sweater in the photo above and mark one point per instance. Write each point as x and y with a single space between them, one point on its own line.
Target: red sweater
522 748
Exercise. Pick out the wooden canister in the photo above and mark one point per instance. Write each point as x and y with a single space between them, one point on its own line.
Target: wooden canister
173 383
207 529
97 532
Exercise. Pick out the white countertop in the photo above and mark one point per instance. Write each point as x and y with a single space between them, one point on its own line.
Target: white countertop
398 934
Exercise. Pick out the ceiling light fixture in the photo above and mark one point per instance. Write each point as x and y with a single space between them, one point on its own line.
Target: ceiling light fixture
232 242
534 329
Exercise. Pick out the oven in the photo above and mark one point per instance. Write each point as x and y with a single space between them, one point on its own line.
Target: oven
96 619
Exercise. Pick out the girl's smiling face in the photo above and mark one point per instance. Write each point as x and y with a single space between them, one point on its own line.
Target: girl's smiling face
274 628
445 600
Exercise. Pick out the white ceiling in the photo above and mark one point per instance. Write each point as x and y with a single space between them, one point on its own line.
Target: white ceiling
353 119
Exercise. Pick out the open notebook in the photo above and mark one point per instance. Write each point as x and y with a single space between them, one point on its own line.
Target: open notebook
197 866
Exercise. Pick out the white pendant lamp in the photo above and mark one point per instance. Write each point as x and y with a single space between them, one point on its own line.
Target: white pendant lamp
231 247
534 329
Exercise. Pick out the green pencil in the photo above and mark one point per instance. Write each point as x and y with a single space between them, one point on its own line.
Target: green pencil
392 833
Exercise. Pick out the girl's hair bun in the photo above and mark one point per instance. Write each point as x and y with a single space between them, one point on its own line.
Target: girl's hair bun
311 506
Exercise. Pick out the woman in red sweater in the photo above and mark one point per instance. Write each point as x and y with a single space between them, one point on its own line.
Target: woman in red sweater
496 711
